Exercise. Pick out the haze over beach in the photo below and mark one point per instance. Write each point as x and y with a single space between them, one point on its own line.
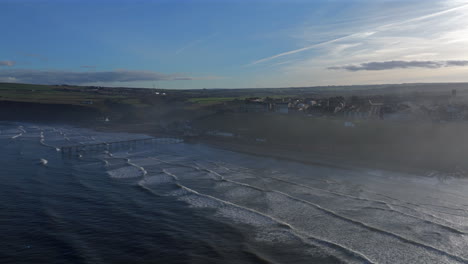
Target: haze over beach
202 131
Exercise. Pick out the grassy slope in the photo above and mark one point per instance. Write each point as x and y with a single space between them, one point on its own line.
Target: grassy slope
50 94
134 108
211 100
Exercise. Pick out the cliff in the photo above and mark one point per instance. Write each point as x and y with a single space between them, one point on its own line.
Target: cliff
50 113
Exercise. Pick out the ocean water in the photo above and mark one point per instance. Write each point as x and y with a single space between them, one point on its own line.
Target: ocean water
191 203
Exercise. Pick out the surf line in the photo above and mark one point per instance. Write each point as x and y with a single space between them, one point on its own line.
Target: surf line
299 234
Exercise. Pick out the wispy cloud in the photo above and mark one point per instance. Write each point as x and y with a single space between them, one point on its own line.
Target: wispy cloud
72 77
193 43
420 18
88 66
189 45
424 36
363 35
7 63
389 65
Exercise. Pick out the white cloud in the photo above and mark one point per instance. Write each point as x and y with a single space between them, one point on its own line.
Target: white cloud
440 35
389 65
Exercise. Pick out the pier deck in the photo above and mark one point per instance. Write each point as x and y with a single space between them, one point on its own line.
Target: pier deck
99 146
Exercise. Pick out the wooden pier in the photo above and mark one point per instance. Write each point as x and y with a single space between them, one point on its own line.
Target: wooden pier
102 146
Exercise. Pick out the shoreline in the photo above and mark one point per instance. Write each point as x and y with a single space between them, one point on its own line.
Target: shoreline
311 157
317 159
242 147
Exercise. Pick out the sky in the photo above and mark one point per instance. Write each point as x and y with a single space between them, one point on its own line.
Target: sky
233 43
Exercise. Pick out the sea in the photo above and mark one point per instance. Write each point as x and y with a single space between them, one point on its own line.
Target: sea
168 201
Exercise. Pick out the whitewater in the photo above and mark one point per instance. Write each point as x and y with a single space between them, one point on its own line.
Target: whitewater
192 203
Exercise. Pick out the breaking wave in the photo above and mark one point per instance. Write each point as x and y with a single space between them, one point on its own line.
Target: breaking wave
356 216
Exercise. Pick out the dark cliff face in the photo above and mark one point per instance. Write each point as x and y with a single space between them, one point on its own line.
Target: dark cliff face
51 113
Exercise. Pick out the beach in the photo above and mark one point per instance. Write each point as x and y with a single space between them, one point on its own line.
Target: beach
199 203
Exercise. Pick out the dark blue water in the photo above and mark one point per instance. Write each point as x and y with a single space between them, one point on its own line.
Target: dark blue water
71 211
189 203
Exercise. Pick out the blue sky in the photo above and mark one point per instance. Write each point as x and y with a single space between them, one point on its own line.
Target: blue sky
230 44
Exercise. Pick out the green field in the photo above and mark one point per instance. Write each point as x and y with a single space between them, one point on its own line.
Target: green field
212 100
77 94
51 94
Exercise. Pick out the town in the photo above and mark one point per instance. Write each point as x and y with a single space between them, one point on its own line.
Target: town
391 107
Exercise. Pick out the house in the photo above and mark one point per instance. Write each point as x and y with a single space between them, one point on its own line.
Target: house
356 113
255 107
281 108
220 134
375 111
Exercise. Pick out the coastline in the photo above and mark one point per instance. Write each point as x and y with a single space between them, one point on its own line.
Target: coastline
311 158
323 157
417 149
327 159
240 147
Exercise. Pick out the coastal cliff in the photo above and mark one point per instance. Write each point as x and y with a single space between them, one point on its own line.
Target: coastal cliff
50 113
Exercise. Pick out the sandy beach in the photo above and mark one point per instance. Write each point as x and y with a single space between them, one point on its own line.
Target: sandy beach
347 157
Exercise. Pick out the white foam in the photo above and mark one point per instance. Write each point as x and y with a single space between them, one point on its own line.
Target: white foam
260 220
274 236
144 161
245 216
143 171
125 172
157 179
17 136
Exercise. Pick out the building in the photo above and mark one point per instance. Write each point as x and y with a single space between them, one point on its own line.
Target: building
282 108
254 107
375 111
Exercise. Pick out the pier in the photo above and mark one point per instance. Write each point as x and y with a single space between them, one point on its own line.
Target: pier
130 143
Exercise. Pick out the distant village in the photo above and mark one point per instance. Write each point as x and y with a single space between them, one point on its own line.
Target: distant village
441 106
391 107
